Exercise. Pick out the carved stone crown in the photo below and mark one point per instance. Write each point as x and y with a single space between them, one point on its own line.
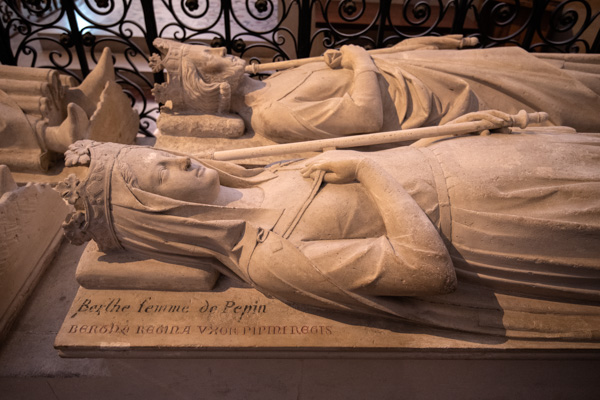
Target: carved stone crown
91 197
170 59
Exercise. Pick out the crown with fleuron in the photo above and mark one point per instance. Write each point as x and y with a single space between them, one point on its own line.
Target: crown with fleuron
90 197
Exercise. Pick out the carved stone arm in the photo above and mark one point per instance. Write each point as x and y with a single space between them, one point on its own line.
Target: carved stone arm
361 109
402 216
417 261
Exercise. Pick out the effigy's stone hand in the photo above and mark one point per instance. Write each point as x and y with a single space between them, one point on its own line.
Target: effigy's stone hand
495 119
349 57
333 59
340 166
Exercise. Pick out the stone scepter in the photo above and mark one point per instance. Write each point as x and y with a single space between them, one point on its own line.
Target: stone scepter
476 122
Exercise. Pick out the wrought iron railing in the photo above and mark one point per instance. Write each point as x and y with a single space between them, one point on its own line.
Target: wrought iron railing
68 35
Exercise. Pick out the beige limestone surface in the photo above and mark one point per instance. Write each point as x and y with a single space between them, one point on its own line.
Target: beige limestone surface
30 233
426 81
126 271
237 320
205 148
30 367
42 112
225 126
495 235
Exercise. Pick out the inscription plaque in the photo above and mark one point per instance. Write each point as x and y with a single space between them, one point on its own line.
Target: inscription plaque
104 323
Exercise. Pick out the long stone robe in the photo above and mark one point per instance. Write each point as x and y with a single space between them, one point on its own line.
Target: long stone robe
431 87
519 214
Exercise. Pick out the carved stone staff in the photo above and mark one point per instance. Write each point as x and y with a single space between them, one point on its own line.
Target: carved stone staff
521 120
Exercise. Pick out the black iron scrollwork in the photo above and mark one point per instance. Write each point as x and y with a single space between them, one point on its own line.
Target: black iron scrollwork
539 25
37 7
567 23
345 22
239 45
217 42
66 40
88 39
102 3
261 5
191 5
503 14
564 21
349 7
31 26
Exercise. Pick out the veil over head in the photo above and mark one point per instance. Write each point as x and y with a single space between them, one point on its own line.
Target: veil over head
159 226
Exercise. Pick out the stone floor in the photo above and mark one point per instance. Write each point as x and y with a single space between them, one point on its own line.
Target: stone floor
31 369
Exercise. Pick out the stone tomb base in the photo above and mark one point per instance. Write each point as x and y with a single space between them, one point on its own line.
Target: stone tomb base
239 322
30 233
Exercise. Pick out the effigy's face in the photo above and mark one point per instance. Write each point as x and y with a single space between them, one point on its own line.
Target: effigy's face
176 177
217 68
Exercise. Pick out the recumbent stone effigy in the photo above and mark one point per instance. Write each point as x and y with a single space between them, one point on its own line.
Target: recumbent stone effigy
494 235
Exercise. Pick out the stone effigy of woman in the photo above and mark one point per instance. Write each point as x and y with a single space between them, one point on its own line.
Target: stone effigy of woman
494 234
419 82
